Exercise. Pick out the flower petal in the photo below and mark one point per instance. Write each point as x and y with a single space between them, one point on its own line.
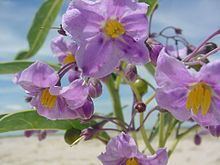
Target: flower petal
82 19
59 112
173 99
210 73
170 71
136 22
38 75
98 57
75 94
212 117
134 52
159 158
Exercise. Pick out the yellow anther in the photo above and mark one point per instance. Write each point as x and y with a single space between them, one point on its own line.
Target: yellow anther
113 28
69 59
199 98
132 161
48 100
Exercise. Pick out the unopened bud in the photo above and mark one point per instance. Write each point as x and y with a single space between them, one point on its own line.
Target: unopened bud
62 31
208 48
131 72
140 107
178 31
154 49
72 135
42 135
141 85
197 139
95 88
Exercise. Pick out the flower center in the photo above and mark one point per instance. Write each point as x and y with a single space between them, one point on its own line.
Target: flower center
114 29
132 161
48 100
69 59
199 98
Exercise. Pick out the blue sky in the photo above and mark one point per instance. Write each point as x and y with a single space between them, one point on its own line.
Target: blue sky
198 18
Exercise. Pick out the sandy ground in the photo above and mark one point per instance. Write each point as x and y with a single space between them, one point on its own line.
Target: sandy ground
54 151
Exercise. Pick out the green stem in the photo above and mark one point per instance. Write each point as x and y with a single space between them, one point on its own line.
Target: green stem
161 130
114 93
144 135
170 129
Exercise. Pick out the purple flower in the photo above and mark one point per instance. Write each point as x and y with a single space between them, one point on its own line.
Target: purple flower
188 95
65 51
52 101
122 150
107 32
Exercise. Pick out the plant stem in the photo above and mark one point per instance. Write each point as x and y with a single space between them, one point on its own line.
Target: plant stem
144 135
114 93
161 130
189 57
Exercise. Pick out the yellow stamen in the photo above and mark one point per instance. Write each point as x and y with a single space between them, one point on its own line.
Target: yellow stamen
132 161
48 100
199 98
114 29
69 59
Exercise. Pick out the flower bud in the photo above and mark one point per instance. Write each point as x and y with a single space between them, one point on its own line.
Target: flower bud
131 72
28 133
42 135
95 88
154 49
197 139
61 31
72 135
88 133
141 85
87 110
208 48
178 30
140 107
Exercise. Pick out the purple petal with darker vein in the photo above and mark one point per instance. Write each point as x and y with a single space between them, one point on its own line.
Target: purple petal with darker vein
98 57
37 75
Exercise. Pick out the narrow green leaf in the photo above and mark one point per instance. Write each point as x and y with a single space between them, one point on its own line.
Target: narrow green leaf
38 32
30 120
17 66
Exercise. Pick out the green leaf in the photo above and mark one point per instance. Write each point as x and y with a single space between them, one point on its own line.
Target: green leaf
150 68
30 120
38 32
152 5
17 66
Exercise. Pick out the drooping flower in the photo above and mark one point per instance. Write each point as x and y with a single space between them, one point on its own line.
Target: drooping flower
107 32
122 150
187 95
53 101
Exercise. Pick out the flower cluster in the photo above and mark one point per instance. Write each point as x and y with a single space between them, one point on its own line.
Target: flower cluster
106 39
